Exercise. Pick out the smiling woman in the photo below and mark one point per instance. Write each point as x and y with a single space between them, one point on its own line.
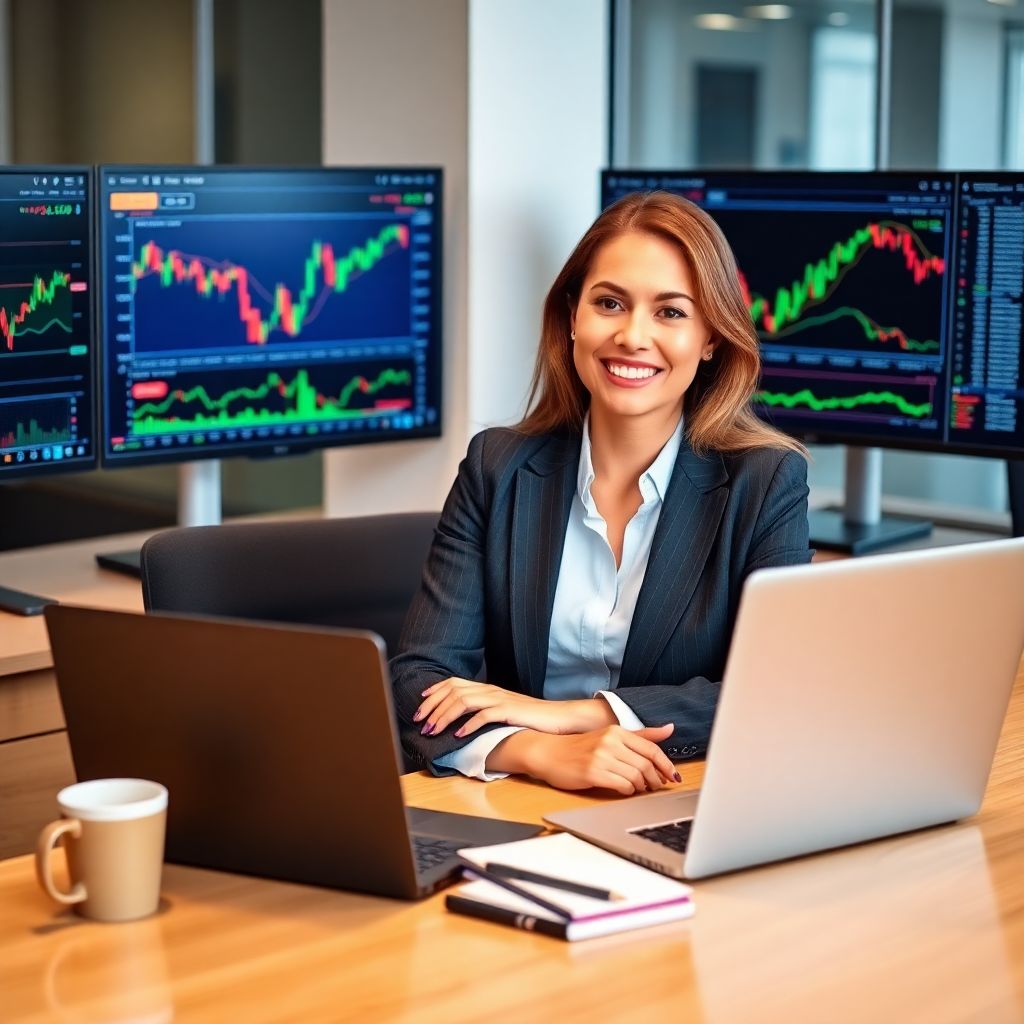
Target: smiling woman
638 334
593 556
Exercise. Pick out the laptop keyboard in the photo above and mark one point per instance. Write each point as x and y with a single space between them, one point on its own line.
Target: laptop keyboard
431 852
675 835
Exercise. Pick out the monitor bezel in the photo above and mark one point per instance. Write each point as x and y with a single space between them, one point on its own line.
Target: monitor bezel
275 449
83 463
837 437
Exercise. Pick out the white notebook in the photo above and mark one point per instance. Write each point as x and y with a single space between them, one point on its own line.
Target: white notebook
641 897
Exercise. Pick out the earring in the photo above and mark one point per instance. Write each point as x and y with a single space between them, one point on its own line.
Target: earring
707 357
572 335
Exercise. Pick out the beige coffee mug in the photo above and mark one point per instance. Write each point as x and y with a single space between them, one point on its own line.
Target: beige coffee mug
113 832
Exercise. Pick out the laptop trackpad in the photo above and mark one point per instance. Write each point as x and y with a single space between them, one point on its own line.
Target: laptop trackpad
467 828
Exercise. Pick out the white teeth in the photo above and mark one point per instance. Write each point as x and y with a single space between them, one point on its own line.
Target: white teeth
631 372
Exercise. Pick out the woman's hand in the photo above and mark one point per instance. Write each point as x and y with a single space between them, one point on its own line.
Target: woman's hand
613 758
451 699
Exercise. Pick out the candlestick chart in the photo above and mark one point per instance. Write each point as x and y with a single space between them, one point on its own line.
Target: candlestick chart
46 325
842 283
35 312
204 285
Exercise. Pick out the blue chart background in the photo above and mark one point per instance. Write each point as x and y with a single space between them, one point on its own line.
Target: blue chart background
376 304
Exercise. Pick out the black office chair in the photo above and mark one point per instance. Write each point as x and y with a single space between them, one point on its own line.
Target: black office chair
359 572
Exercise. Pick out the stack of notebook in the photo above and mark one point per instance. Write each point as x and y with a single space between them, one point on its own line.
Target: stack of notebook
560 885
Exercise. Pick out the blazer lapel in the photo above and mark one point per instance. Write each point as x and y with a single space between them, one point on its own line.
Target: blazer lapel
683 539
544 490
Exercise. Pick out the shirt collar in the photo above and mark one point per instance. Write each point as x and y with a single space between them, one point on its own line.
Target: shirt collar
653 482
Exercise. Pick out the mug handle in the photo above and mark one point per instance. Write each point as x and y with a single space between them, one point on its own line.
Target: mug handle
44 871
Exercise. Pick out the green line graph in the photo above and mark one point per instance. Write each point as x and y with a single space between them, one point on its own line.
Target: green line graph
871 400
302 403
872 331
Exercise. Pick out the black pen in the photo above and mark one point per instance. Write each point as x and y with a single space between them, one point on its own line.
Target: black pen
498 870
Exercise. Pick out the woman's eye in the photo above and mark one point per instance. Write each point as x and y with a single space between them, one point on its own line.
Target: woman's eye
608 303
672 313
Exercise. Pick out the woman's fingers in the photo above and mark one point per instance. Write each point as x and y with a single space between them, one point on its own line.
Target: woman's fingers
459 702
653 753
440 692
451 707
495 713
606 778
648 774
652 780
437 693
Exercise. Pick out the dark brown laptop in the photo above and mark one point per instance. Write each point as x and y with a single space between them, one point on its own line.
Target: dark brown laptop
277 745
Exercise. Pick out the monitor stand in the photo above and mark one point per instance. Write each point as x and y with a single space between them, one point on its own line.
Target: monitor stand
860 527
198 505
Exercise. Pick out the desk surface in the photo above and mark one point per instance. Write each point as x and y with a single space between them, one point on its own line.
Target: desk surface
69 573
925 927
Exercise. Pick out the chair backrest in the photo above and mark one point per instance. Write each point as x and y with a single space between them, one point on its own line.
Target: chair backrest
359 572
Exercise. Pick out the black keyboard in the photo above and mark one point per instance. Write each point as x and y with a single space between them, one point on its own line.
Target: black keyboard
430 851
675 835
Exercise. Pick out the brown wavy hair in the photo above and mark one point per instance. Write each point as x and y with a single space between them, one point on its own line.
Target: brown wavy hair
717 404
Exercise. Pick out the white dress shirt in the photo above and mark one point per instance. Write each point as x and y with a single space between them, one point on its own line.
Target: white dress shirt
594 602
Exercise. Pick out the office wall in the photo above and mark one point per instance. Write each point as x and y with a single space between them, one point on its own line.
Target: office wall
537 142
510 98
88 92
395 90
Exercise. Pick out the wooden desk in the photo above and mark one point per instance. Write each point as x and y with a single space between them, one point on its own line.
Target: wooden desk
34 758
927 927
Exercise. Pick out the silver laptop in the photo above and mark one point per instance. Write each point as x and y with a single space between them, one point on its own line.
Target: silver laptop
277 745
861 698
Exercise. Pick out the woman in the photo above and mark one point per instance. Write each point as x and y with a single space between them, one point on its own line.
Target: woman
592 557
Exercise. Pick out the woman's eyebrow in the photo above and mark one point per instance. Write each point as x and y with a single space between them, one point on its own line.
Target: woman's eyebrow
610 286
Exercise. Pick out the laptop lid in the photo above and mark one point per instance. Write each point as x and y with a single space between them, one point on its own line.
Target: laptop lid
860 699
275 743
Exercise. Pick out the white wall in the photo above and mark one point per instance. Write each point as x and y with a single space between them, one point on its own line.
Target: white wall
510 99
537 141
395 76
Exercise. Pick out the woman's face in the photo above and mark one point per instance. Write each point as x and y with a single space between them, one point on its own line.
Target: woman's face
639 334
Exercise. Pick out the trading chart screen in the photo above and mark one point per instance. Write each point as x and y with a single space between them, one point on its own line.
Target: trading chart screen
262 312
46 353
887 305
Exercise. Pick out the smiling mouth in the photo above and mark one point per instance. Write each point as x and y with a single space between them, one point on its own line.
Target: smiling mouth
629 371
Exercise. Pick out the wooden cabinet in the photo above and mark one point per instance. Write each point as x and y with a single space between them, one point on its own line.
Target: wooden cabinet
32 770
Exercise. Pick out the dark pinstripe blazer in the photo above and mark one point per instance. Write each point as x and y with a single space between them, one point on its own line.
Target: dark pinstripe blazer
489 583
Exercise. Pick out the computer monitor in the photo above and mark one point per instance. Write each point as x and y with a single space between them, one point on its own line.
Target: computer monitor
46 324
262 312
267 311
887 304
47 373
